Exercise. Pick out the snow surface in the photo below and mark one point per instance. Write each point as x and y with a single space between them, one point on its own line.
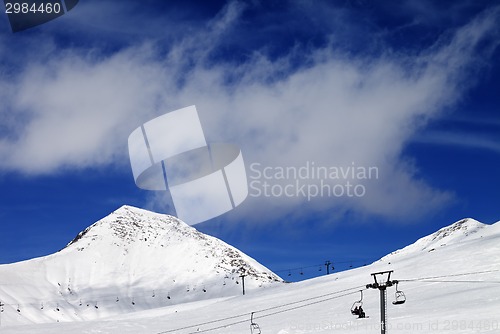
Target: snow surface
451 280
130 260
464 229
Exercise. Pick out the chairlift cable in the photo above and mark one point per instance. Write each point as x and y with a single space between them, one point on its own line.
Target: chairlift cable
219 327
266 315
210 322
311 298
450 281
450 275
265 310
305 305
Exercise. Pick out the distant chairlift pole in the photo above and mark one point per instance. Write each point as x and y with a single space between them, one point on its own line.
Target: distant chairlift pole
382 284
327 265
243 282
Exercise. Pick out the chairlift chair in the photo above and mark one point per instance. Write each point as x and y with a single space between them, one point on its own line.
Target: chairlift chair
254 328
399 296
357 304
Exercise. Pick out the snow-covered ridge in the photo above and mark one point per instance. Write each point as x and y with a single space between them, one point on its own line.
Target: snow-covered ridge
131 260
453 289
464 229
130 227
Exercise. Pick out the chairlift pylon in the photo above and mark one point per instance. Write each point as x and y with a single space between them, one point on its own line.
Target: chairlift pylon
399 297
254 327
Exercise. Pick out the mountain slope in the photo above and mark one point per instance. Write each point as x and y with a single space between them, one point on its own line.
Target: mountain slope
131 260
463 230
454 289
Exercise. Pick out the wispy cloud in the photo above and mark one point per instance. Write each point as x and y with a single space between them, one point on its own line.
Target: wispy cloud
464 140
322 104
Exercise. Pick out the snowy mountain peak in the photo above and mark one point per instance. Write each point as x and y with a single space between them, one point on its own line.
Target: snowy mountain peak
130 224
131 231
457 231
130 260
460 231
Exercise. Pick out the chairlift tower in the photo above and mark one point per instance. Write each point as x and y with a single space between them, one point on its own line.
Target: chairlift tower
242 276
383 282
327 265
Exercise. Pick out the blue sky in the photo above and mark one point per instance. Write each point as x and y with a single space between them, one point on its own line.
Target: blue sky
410 88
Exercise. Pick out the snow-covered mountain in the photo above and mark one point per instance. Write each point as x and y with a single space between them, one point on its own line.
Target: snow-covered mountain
462 230
451 279
131 260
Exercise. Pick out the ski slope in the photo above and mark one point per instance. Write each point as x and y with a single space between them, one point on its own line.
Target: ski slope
129 261
451 280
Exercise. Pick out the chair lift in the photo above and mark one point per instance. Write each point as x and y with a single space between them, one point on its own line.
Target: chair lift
357 304
400 297
254 328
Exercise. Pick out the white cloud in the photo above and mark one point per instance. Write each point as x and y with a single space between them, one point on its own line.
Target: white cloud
461 140
78 109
